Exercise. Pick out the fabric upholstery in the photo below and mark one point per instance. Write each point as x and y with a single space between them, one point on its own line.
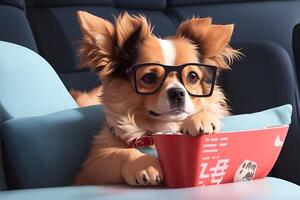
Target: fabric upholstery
56 30
254 20
29 86
146 4
54 146
125 4
84 80
3 185
197 2
264 78
272 117
17 3
63 3
17 30
57 33
48 150
266 189
14 26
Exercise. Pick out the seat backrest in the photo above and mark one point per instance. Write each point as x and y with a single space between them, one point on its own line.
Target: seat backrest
55 26
14 25
57 33
254 20
14 28
28 87
261 79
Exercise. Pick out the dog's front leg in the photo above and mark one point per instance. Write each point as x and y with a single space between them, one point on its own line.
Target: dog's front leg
141 169
203 122
110 162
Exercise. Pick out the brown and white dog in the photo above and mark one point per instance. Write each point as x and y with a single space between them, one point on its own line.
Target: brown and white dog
111 50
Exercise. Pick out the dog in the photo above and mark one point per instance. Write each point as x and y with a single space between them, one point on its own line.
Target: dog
149 84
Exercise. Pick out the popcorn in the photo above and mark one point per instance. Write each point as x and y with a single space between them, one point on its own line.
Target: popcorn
170 132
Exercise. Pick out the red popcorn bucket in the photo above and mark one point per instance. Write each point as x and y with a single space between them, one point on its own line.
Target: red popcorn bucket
189 161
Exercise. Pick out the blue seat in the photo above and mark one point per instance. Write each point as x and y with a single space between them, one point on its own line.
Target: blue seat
266 189
45 148
34 96
25 88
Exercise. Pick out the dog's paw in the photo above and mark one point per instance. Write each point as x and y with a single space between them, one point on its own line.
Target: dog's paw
144 170
200 123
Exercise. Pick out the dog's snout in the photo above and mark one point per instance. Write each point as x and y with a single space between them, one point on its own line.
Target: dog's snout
176 96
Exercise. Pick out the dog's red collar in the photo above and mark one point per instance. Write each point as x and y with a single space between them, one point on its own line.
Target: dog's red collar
144 141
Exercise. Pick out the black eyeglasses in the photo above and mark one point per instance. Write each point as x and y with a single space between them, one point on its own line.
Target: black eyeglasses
198 79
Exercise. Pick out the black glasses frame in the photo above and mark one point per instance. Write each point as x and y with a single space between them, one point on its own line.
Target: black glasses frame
168 68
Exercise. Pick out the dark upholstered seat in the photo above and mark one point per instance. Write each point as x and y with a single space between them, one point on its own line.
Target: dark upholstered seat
265 77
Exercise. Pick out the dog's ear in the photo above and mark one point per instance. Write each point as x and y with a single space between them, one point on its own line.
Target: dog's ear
210 39
111 48
97 41
131 31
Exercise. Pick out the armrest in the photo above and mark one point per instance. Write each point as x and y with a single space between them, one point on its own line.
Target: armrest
28 84
48 150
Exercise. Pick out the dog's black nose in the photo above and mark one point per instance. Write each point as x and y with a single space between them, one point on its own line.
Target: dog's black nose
176 96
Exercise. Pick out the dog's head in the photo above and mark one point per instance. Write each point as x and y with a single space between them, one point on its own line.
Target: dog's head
150 77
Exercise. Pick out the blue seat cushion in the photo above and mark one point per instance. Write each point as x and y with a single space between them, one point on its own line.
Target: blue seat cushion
28 84
272 117
48 150
266 189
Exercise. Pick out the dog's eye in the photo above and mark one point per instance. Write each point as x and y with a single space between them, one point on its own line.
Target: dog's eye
192 77
149 78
